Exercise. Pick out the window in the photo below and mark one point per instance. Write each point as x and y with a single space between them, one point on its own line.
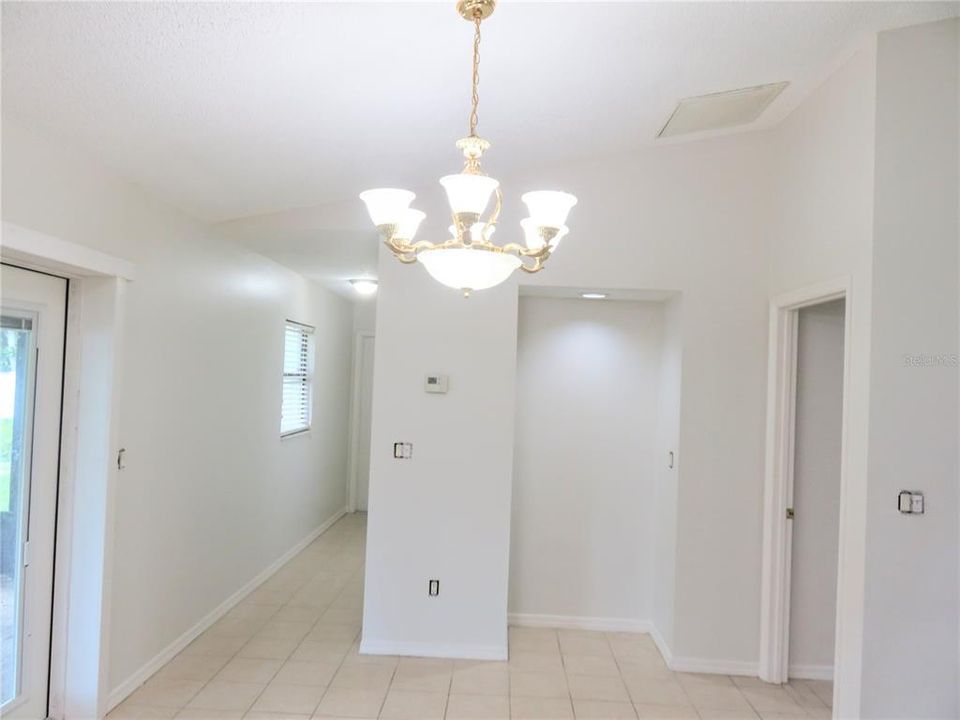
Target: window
297 378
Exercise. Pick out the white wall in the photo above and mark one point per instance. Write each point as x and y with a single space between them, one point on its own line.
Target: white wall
664 548
583 478
210 496
911 669
365 314
445 513
816 489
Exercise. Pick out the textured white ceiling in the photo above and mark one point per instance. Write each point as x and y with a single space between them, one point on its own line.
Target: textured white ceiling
236 109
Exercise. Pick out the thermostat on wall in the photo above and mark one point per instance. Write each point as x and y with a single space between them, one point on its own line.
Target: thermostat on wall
436 383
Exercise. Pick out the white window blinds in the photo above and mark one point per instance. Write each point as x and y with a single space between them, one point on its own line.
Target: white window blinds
297 378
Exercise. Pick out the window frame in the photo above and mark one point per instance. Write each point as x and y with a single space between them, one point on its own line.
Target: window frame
309 334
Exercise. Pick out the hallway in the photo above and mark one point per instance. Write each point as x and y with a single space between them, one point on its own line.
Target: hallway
290 650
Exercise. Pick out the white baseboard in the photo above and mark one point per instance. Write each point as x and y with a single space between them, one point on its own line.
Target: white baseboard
718 667
810 672
679 664
135 680
578 622
661 644
466 652
701 665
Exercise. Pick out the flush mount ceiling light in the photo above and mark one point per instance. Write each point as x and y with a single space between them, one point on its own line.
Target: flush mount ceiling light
364 286
593 296
469 260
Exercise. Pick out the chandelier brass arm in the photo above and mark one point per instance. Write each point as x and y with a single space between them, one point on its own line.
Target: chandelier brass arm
407 252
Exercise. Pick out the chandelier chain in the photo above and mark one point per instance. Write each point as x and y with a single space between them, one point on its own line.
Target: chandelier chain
476 74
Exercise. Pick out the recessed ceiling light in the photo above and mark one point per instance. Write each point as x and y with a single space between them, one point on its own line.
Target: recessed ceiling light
593 296
364 287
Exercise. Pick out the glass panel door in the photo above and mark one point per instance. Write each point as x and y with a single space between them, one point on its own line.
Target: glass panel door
17 369
32 327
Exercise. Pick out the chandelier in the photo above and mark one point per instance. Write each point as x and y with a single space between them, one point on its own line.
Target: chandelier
469 260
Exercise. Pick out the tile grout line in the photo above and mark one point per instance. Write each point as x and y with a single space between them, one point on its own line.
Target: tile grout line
393 676
616 661
446 704
509 679
566 679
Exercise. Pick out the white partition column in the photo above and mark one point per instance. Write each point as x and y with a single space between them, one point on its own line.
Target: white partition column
444 513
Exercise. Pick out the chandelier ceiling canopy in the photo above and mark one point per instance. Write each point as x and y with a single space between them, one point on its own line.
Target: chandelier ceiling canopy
469 259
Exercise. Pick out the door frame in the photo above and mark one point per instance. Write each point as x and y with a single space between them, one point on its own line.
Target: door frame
354 454
80 632
779 468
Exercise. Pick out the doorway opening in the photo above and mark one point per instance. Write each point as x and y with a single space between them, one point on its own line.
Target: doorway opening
362 408
815 523
804 498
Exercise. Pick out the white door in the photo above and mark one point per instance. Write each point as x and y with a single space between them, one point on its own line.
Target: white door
32 326
365 398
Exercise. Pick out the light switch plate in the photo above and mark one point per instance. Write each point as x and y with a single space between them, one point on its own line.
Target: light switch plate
402 450
910 502
436 383
916 503
904 501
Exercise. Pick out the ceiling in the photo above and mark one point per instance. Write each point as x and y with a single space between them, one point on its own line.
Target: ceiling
230 110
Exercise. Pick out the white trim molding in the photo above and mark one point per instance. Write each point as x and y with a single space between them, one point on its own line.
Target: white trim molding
714 667
811 672
578 622
778 471
661 642
48 253
437 650
140 676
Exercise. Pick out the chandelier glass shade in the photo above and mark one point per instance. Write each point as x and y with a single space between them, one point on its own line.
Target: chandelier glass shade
469 259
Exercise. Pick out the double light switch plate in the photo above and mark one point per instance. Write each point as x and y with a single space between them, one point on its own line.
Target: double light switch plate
910 502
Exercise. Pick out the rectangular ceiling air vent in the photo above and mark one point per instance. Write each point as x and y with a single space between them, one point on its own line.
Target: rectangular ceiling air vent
720 110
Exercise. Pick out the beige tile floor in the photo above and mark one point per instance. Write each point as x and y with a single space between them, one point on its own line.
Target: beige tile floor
289 650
